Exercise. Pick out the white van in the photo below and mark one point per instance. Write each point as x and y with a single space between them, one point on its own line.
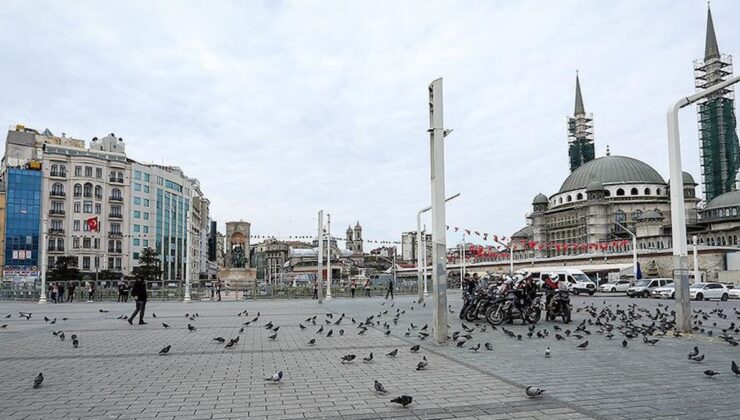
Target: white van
577 280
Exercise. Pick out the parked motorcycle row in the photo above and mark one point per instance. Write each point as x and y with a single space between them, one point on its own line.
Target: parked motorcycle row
506 301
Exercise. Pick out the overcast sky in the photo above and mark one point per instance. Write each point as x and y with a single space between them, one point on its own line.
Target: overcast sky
284 108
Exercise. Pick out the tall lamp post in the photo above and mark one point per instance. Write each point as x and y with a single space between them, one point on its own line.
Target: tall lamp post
634 249
42 296
421 255
439 235
188 253
678 215
328 257
320 256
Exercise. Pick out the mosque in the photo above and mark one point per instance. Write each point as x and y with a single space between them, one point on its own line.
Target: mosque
606 199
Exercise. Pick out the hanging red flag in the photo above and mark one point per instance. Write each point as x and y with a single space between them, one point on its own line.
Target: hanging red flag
467 231
92 224
485 236
456 228
532 244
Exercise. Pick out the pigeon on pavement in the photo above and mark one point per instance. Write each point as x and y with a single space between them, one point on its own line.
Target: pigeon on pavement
734 368
276 377
369 358
533 391
37 382
583 345
393 353
414 349
379 388
404 400
165 350
710 372
348 358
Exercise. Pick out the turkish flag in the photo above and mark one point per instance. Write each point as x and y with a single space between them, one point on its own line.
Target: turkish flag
92 224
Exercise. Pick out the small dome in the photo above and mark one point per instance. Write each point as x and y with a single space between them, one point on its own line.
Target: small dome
650 215
688 179
728 199
540 199
595 185
612 170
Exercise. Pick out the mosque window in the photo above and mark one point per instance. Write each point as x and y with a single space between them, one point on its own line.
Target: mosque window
620 216
620 192
636 214
607 193
579 196
658 191
569 199
734 211
633 191
560 200
647 191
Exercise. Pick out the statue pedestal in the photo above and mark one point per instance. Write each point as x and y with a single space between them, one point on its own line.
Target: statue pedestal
238 278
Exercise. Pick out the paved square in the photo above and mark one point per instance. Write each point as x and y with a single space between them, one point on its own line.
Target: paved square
116 373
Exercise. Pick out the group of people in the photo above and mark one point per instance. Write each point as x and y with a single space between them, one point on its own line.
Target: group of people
56 292
367 285
522 286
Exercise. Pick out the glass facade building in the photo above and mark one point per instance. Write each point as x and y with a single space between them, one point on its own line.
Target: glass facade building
23 219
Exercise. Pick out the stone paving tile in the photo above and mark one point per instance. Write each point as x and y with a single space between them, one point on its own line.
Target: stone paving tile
117 373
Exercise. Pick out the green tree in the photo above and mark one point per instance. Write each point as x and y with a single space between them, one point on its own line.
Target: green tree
148 268
108 275
64 269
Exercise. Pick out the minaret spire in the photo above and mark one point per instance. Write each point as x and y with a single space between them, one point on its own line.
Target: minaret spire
579 110
711 49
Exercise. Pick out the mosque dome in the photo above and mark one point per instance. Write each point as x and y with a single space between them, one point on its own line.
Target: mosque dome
612 170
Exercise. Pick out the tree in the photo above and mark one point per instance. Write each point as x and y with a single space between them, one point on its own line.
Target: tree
64 269
148 268
108 275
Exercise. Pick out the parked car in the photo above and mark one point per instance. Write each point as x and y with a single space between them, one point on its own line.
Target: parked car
615 286
576 280
734 293
701 291
666 292
644 287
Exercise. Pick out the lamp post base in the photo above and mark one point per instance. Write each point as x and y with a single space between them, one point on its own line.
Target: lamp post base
187 299
42 299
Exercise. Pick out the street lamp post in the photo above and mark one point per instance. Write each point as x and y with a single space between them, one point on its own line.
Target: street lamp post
439 234
678 215
462 262
697 273
421 272
42 296
328 257
188 253
320 256
634 249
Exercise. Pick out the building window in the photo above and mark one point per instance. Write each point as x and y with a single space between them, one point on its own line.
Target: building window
137 214
98 208
146 202
137 174
607 193
115 211
76 225
579 196
96 243
146 177
657 191
98 173
87 206
137 228
52 261
98 192
86 243
78 190
86 263
146 229
57 189
146 242
146 215
647 191
75 243
88 171
137 186
146 188
137 241
620 216
88 190
78 206
78 170
620 192
636 214
136 255
137 200
634 191
115 228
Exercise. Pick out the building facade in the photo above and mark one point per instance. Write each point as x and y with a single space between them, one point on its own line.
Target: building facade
410 248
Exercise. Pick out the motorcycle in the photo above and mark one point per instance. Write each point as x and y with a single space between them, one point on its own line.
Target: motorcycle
560 306
499 310
478 303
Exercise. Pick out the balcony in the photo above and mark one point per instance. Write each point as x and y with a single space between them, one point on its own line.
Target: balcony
115 234
115 216
56 231
115 251
56 249
58 174
57 193
115 198
116 180
56 212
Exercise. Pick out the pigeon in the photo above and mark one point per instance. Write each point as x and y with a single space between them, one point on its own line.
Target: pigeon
698 358
348 358
219 339
488 346
415 348
320 330
652 342
694 352
583 345
61 336
393 353
230 344
387 333
460 343
379 388
404 400
276 329
547 352
268 326
710 372
74 336
165 325
4 326
165 350
341 332
624 343
103 311
369 358
423 364
330 333
241 330
303 327
75 343
37 382
8 316
533 391
475 348
191 327
276 377
559 337
272 337
734 368
154 315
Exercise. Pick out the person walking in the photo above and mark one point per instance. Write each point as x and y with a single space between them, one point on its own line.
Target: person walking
315 289
218 290
390 289
71 292
352 287
138 291
367 288
53 292
120 291
60 295
126 290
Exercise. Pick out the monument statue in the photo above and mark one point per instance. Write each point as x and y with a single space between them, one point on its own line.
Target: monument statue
238 258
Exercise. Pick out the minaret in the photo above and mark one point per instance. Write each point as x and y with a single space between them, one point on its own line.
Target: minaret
716 116
580 133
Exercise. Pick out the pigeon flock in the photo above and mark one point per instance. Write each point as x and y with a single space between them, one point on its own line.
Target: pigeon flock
632 323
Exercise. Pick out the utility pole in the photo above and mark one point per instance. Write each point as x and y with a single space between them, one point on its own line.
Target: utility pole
462 262
697 273
437 135
678 215
421 256
328 257
424 261
187 257
320 274
44 244
634 249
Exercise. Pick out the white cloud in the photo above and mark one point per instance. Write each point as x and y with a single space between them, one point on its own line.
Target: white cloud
282 108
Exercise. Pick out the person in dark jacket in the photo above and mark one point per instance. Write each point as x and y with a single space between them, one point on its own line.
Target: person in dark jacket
390 289
138 291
